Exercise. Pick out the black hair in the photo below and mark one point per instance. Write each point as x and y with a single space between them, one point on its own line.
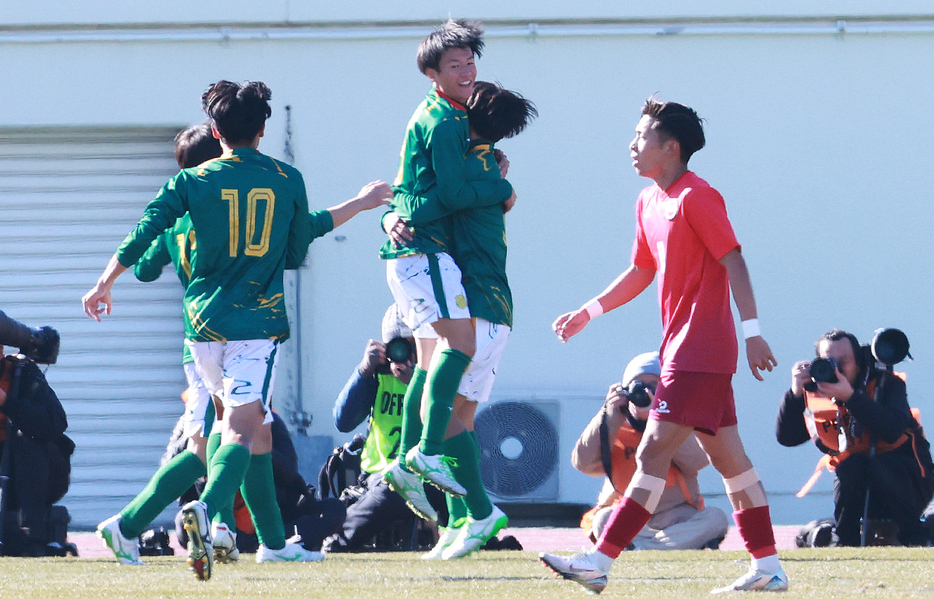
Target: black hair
461 33
678 122
860 356
196 145
239 112
496 113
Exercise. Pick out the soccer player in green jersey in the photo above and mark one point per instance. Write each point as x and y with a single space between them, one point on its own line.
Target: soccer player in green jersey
250 215
425 281
193 146
478 246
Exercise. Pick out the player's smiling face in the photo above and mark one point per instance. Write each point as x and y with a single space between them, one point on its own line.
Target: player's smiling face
456 74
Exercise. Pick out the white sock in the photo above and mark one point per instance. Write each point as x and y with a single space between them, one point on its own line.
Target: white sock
601 560
768 564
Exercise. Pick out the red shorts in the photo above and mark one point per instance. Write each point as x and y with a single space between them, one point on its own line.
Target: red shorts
701 400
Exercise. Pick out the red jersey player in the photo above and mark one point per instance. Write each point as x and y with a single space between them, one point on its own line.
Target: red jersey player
684 237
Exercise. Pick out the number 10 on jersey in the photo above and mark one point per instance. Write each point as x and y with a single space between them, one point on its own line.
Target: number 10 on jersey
253 200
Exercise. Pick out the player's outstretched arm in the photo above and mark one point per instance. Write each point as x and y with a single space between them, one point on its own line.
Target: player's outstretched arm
98 299
371 195
758 353
628 285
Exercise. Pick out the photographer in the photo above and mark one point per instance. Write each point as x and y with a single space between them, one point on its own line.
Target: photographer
375 391
36 453
681 520
858 414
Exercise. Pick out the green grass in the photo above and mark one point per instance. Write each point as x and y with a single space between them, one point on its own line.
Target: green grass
825 573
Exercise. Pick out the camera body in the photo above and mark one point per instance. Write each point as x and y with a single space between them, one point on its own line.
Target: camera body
637 391
398 350
823 370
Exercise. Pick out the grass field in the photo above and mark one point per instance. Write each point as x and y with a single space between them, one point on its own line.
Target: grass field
871 572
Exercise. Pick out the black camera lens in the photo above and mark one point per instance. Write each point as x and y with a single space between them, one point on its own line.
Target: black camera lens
399 350
639 395
824 370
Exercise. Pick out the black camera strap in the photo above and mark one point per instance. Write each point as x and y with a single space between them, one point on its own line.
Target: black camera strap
606 448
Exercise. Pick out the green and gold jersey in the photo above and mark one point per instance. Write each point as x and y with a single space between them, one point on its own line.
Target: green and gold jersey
433 163
250 214
382 441
175 247
477 239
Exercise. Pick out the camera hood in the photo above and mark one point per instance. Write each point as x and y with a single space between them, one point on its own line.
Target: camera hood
889 346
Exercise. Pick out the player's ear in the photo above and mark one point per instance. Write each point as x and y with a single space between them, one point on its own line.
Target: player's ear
672 147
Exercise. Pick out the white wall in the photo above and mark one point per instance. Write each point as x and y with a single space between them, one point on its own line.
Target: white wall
817 141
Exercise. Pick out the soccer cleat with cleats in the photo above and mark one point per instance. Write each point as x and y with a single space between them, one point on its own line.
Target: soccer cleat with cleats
225 544
577 568
436 469
125 550
755 580
475 534
448 536
411 489
200 550
292 552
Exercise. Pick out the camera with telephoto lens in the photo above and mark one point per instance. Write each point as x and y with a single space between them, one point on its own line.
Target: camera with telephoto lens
42 347
638 393
398 350
823 370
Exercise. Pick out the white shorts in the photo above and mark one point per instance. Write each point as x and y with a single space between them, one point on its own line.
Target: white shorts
240 372
426 287
198 404
477 382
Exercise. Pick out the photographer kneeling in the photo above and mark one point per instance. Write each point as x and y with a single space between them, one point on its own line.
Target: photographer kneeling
681 520
36 453
857 413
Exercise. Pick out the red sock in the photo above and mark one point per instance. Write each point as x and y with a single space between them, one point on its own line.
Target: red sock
755 527
624 524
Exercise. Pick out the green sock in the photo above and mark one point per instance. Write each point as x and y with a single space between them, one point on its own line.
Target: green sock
259 493
225 512
464 449
457 509
447 368
165 486
411 418
228 466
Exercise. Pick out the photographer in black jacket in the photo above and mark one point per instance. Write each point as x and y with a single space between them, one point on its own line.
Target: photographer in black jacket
857 413
35 451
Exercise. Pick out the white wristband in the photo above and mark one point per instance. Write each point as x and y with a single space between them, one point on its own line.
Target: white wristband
594 309
751 328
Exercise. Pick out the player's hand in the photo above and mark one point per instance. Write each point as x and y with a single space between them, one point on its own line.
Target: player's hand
502 161
759 355
800 376
97 301
373 356
569 324
508 204
374 194
399 233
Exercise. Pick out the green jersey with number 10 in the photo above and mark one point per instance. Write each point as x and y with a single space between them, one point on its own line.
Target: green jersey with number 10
250 214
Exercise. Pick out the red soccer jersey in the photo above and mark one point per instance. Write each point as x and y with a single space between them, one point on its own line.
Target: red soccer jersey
682 232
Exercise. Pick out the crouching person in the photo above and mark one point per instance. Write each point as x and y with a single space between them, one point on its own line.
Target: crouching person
607 448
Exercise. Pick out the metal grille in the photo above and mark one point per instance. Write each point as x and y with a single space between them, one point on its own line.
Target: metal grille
68 196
